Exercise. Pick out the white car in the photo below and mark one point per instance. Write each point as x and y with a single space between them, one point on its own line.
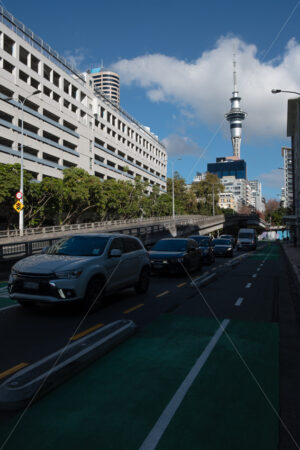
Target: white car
81 268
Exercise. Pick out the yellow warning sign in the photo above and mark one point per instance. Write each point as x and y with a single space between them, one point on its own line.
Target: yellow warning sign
18 206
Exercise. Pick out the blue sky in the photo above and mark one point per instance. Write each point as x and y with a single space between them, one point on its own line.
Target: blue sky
175 63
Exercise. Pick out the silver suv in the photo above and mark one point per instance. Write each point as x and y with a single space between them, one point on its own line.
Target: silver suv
81 267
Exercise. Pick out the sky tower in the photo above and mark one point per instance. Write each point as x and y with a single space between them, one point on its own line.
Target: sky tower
235 116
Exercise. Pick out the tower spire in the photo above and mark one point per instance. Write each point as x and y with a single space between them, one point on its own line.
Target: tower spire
234 74
235 116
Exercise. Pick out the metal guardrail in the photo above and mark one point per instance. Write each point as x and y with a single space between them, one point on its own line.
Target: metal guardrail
147 232
101 225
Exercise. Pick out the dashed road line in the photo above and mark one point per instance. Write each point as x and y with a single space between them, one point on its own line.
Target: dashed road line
133 308
162 294
12 370
85 332
258 269
248 285
239 301
254 275
181 284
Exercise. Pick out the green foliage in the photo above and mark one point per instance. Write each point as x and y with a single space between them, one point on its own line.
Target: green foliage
80 197
207 193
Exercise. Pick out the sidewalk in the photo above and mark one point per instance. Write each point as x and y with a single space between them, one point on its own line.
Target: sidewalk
289 350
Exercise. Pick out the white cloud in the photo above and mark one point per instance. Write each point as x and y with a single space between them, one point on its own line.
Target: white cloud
204 86
273 179
75 57
181 146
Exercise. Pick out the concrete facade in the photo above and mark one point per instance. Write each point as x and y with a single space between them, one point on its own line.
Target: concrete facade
287 155
68 123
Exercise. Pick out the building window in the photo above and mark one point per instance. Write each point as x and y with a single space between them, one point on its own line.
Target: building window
8 44
23 56
35 63
8 67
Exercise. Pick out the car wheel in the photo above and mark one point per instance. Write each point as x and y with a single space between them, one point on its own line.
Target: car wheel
143 284
94 293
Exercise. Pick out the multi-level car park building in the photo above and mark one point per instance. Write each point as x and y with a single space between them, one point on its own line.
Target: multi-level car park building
69 123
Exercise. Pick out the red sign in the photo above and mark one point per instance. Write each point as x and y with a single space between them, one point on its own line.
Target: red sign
19 195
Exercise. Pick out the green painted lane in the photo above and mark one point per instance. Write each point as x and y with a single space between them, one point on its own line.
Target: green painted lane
4 298
115 402
225 409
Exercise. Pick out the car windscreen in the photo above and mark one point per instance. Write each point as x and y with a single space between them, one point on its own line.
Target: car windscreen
221 242
170 246
246 236
200 238
79 246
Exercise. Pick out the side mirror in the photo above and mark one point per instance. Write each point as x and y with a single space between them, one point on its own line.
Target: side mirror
115 253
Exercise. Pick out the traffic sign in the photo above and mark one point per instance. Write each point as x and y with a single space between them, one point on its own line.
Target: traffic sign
19 195
18 206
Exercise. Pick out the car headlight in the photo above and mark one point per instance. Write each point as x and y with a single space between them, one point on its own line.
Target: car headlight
69 274
228 249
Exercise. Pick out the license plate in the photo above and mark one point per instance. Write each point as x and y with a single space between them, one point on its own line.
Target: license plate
158 265
31 285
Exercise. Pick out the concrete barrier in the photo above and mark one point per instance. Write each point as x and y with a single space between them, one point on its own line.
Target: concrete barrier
36 380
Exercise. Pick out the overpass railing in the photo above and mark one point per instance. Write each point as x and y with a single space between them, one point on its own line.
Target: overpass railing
148 232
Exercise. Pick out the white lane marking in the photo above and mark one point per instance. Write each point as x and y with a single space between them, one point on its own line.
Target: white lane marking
239 301
258 269
248 285
3 292
163 421
254 275
9 307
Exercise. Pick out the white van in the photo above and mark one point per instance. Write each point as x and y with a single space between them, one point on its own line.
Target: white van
247 238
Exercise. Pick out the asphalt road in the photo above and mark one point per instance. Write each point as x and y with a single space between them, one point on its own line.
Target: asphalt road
246 294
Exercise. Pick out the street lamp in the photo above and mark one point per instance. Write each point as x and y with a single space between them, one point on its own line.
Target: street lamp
21 213
173 195
296 199
277 91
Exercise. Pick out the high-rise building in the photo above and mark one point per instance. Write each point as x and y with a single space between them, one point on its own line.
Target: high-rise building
108 82
235 116
256 195
239 187
227 166
287 155
66 123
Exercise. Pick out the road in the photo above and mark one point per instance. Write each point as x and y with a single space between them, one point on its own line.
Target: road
127 398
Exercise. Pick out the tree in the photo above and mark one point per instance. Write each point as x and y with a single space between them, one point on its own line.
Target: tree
205 191
82 196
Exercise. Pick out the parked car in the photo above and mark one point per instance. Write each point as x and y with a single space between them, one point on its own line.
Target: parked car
207 248
81 268
223 247
171 254
228 236
247 238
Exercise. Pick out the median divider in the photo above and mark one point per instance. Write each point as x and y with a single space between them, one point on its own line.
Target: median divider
204 280
36 380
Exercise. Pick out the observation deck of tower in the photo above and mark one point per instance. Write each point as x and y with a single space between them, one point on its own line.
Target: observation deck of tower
235 116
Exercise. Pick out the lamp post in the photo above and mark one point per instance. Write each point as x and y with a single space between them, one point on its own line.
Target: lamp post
278 91
296 198
173 194
21 213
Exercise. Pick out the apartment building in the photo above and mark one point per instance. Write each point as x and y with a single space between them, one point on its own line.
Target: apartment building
239 187
287 155
67 123
108 82
227 200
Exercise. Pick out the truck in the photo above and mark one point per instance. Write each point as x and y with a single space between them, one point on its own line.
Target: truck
247 239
